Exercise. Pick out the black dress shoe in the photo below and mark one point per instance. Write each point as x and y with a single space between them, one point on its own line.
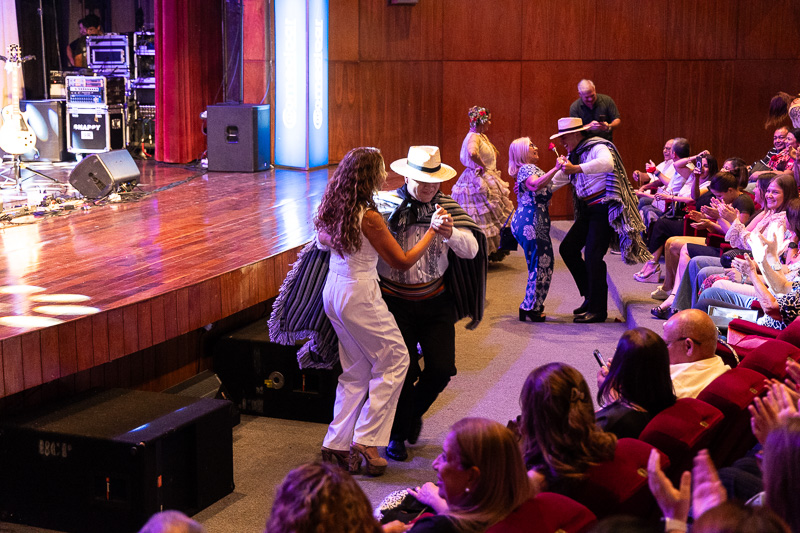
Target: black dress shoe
533 316
590 318
416 429
397 450
582 309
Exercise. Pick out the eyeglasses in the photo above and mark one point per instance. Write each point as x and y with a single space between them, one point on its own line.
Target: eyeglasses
531 145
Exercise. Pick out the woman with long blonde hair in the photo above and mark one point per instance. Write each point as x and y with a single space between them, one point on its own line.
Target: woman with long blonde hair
481 479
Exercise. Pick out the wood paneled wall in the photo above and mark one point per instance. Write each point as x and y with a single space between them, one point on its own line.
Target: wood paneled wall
402 75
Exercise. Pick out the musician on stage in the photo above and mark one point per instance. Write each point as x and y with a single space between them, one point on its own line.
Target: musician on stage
76 51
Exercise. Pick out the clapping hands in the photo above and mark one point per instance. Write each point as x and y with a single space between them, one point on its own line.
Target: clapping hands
675 502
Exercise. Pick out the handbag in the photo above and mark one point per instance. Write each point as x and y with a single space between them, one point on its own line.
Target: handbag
508 243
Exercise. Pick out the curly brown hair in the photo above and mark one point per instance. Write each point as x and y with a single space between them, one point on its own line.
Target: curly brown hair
558 422
349 192
320 498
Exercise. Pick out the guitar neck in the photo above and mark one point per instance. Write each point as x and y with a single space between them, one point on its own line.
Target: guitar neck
15 90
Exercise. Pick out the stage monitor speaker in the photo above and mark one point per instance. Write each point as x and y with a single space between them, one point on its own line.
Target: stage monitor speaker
106 461
48 121
238 138
263 378
99 174
206 384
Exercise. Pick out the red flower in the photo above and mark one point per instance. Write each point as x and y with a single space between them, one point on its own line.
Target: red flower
650 169
551 146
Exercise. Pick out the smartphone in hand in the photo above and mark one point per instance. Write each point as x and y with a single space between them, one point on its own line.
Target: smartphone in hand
599 358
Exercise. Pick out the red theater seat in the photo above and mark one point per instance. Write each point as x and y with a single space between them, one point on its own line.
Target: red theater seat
681 431
620 486
547 513
770 358
731 393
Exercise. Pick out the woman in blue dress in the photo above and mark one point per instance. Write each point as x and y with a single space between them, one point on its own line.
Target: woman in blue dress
531 224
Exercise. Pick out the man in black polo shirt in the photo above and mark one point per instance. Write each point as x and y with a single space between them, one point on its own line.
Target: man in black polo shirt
598 111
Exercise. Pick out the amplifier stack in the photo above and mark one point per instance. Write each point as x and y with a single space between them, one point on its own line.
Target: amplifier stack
96 114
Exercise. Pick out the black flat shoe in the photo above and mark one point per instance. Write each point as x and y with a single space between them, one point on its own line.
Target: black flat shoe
396 450
533 316
582 309
590 318
662 313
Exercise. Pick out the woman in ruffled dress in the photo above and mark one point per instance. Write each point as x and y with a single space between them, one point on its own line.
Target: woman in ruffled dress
531 224
480 190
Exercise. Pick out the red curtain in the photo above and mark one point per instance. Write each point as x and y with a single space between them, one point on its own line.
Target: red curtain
188 74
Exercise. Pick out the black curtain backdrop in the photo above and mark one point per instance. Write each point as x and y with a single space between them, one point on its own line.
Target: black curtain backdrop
30 39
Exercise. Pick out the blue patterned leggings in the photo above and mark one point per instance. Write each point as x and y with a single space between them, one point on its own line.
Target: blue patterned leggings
531 227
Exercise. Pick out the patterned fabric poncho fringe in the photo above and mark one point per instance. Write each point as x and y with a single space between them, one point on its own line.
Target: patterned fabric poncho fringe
298 314
623 215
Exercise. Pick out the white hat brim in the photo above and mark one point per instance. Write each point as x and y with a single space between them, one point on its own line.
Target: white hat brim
585 127
445 173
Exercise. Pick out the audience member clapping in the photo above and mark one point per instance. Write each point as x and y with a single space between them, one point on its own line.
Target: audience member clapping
636 384
480 479
560 437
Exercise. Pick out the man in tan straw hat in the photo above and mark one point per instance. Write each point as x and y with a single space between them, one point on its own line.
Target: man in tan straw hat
604 204
448 283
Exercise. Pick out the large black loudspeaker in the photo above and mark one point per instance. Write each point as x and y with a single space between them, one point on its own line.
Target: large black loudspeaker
238 138
48 121
99 174
263 378
107 461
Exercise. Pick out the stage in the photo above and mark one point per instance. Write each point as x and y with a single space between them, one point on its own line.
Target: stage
106 280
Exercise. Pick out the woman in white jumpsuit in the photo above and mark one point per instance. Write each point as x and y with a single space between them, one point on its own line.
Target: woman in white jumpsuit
373 355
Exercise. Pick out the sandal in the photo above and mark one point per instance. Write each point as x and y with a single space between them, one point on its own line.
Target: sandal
663 313
651 272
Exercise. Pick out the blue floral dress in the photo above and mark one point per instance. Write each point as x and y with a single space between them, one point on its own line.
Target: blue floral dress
531 227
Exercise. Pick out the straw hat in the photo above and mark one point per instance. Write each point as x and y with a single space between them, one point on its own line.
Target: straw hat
424 164
569 125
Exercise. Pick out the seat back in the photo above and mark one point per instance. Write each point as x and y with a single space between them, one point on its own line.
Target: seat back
680 431
731 393
546 513
770 358
620 486
791 334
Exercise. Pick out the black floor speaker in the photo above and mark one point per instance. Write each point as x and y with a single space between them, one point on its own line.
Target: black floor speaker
48 121
106 461
99 174
206 384
263 378
238 138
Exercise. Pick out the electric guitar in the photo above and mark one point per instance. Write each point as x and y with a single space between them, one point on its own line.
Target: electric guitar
16 135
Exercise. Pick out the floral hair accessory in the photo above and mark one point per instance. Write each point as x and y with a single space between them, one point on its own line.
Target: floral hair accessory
478 115
552 147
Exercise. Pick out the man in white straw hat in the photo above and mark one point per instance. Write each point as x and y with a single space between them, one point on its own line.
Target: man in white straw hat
604 204
447 284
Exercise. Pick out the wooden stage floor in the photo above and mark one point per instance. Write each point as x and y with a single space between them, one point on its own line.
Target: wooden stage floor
197 247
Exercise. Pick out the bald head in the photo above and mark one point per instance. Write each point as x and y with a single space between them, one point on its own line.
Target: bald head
690 336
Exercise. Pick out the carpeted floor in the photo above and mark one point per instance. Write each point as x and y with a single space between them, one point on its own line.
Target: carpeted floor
492 361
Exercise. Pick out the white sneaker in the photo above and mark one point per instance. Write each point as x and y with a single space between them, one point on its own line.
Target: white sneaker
659 293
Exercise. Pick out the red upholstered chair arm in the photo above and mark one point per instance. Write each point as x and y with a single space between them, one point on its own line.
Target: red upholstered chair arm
744 327
715 239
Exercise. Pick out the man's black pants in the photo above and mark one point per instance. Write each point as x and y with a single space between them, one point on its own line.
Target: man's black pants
592 231
431 324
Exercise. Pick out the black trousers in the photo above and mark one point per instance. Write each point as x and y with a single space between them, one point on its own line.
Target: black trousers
431 324
591 231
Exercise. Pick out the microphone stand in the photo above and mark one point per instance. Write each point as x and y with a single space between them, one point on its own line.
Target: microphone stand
45 79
